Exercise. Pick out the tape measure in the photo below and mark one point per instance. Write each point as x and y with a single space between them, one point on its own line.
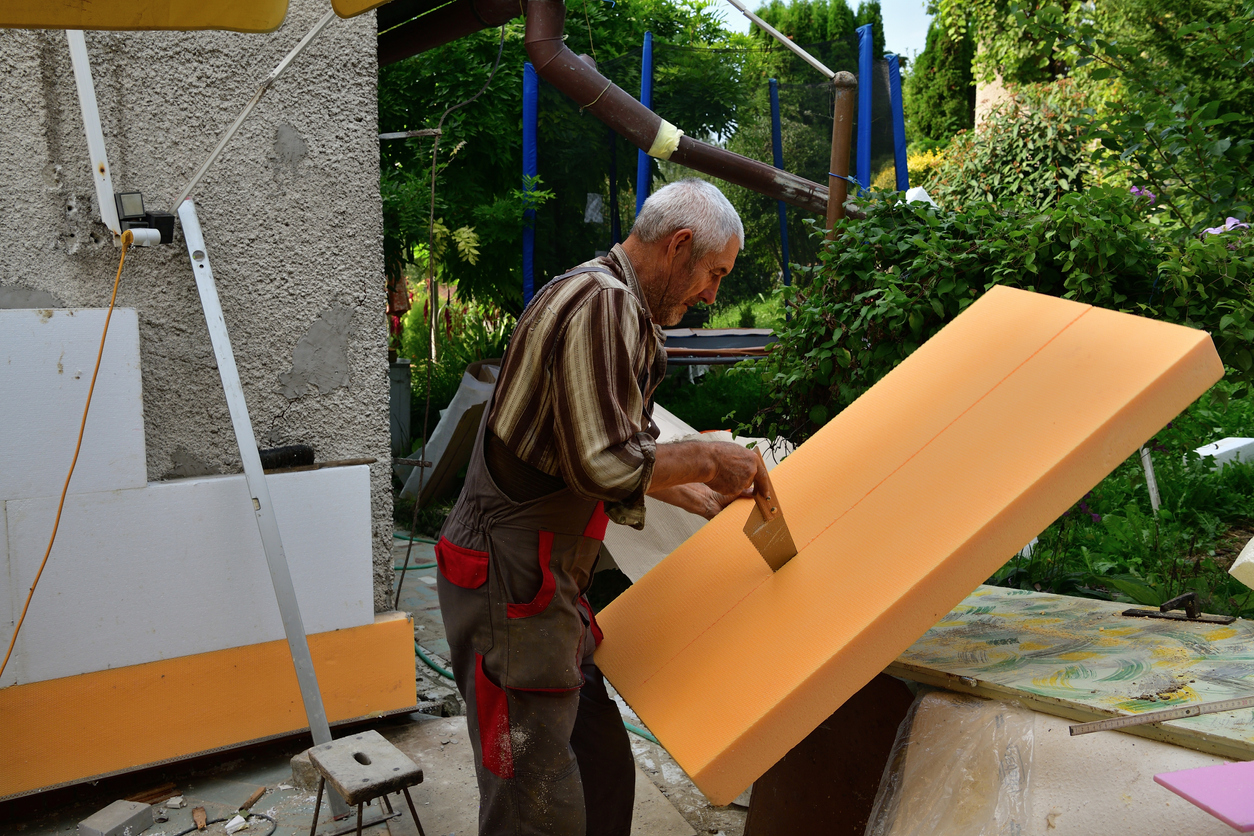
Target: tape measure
1195 710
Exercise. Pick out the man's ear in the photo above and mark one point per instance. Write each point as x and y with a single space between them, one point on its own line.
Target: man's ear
680 245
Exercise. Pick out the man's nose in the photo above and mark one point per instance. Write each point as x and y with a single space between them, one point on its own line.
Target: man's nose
710 292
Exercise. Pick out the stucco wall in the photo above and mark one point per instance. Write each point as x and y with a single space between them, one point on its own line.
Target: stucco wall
291 215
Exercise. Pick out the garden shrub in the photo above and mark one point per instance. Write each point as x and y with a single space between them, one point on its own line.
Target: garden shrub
891 281
1028 150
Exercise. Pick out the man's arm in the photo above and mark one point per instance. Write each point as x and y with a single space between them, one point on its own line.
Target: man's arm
704 476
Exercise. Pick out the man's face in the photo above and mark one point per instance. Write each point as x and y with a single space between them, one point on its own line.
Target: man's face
692 282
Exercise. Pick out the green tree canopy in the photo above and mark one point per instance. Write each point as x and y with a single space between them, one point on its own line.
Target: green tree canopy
940 91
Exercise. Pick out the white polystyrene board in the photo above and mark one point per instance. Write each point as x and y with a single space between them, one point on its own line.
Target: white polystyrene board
1227 449
8 617
471 392
1243 567
46 362
176 568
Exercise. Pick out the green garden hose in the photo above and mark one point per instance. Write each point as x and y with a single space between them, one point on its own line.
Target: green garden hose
399 536
421 566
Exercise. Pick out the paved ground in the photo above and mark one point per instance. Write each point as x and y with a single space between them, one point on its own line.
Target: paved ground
667 804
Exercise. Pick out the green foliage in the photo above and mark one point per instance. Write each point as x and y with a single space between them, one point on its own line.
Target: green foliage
890 282
479 186
1028 151
717 401
1176 115
869 13
940 90
1006 47
1111 545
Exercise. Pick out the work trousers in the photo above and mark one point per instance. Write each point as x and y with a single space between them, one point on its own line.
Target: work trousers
571 770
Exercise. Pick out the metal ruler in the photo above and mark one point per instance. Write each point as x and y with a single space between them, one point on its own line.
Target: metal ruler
1195 710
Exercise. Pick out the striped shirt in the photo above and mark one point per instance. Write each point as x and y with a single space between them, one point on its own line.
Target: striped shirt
574 398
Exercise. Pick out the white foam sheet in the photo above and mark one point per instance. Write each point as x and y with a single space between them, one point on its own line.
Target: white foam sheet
470 392
176 568
46 362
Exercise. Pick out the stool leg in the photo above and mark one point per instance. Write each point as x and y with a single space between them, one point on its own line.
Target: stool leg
387 803
313 828
360 804
413 812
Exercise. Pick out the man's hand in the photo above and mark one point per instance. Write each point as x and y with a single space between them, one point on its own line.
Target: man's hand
696 498
725 467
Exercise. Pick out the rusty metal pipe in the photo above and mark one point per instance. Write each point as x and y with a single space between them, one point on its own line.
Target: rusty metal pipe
846 89
443 25
559 66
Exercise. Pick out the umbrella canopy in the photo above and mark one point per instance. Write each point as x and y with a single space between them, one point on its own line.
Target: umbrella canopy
233 15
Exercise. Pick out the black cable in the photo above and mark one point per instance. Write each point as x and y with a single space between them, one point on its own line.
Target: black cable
431 306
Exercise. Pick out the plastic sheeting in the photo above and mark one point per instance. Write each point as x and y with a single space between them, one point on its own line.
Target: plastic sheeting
961 766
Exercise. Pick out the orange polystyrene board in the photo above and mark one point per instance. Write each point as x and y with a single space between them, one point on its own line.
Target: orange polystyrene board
901 505
62 731
232 15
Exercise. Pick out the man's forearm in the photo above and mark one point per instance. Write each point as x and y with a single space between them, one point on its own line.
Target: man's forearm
681 463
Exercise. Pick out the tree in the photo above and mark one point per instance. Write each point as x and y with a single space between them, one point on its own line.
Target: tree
869 12
940 93
479 180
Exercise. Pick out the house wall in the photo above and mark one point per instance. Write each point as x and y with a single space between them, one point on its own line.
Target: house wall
292 219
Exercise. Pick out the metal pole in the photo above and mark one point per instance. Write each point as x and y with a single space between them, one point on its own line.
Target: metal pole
248 108
899 124
845 88
777 149
864 105
784 39
263 508
100 171
531 95
644 166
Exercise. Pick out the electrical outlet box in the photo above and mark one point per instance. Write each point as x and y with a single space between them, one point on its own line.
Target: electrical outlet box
121 818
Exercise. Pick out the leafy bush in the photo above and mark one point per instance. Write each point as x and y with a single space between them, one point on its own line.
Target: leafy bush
1177 97
717 401
1029 150
1112 545
890 282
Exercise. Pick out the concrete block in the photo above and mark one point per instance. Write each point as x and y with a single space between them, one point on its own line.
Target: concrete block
303 773
121 818
900 506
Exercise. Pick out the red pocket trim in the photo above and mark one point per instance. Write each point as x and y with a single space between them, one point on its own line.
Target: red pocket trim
597 635
492 708
548 585
597 523
462 567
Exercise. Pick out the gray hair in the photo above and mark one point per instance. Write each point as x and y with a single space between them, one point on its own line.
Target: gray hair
690 204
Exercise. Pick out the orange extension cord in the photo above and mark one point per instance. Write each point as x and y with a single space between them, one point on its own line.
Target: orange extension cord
127 239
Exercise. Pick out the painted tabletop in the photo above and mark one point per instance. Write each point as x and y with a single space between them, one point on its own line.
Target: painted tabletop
1081 659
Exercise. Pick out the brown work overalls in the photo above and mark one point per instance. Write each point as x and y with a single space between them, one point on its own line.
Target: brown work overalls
551 754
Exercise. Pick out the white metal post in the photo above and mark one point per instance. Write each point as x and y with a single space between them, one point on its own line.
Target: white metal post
263 509
100 171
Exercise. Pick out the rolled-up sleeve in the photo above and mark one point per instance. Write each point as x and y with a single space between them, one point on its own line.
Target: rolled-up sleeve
604 444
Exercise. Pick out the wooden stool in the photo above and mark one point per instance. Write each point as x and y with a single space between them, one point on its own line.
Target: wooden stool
361 768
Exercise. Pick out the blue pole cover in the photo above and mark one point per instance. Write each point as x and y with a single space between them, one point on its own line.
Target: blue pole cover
899 124
644 168
777 147
531 90
864 105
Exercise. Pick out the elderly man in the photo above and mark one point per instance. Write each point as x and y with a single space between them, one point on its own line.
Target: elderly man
566 446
